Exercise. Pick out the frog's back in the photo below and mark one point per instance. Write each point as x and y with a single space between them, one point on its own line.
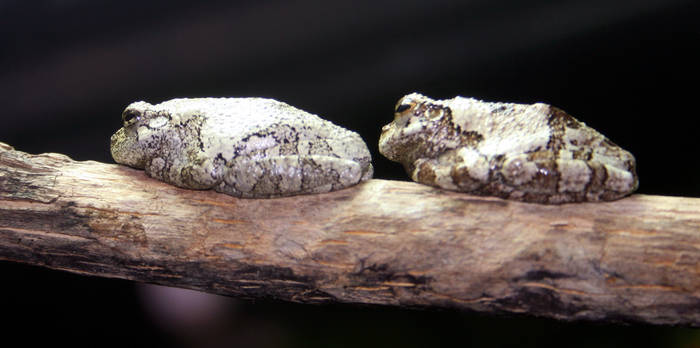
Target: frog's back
240 118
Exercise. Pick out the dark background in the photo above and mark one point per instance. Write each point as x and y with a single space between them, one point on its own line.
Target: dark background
68 68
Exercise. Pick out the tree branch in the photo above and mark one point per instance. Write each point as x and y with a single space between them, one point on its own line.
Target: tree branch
381 242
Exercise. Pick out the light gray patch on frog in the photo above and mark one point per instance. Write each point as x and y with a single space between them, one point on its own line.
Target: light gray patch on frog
244 147
534 153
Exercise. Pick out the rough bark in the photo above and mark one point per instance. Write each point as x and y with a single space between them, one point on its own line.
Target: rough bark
381 242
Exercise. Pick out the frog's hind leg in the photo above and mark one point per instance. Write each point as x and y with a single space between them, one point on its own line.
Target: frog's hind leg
609 182
541 177
288 175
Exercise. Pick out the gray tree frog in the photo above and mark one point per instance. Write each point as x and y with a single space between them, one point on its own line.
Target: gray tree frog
244 147
533 153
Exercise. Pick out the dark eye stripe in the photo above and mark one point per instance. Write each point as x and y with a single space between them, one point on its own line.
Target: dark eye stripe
403 107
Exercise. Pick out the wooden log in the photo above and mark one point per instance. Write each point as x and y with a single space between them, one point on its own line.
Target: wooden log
382 242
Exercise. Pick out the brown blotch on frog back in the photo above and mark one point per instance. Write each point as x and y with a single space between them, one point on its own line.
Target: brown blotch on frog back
559 121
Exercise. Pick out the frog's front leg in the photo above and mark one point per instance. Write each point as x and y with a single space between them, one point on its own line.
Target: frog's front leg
192 172
462 169
288 175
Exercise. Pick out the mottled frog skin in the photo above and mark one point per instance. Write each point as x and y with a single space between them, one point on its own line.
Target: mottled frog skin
244 147
533 153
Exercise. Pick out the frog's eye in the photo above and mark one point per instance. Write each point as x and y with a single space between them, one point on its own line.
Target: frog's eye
402 107
404 104
130 117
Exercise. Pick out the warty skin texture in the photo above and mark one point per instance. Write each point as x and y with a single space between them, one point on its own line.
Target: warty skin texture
533 153
244 147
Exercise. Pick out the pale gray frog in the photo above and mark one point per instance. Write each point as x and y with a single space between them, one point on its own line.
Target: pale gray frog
533 153
244 147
